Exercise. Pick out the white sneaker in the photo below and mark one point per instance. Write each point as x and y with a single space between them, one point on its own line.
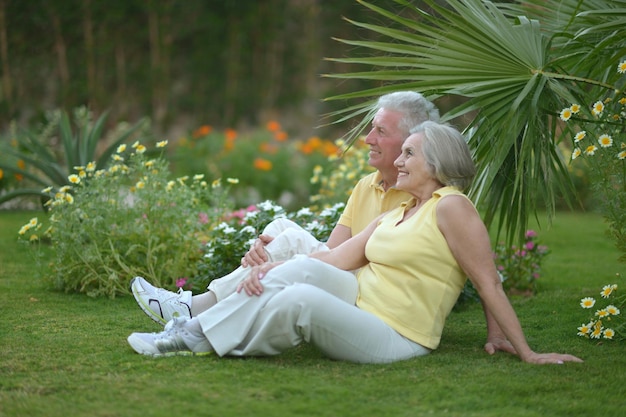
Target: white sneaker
159 304
174 340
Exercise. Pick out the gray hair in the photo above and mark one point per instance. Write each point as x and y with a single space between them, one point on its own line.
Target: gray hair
447 153
415 108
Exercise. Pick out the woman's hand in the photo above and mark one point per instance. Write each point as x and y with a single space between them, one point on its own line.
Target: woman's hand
495 344
256 255
252 285
550 358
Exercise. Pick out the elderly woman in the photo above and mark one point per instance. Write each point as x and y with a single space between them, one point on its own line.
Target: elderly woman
414 261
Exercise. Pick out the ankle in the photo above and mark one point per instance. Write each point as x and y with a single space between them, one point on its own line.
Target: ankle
202 302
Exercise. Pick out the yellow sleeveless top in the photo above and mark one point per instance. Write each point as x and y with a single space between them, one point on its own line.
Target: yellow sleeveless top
412 280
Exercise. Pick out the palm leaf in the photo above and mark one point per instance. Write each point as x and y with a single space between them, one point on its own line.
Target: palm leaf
514 77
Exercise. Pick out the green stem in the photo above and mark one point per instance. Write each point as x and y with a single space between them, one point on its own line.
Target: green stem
574 78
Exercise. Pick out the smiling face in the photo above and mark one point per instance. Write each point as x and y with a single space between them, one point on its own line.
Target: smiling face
385 140
414 173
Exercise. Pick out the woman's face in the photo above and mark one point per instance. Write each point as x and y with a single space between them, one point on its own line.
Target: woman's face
413 171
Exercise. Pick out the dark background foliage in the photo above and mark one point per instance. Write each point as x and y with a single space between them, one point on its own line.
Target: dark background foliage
182 62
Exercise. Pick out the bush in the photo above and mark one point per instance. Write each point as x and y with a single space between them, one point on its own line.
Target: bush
521 266
337 179
596 130
232 237
36 158
131 219
268 164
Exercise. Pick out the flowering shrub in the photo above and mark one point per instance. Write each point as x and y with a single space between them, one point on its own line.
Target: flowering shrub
337 180
521 266
232 237
598 140
130 219
268 164
607 322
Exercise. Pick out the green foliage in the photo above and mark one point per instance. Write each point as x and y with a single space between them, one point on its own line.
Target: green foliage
513 63
268 165
48 155
521 266
232 237
130 219
596 131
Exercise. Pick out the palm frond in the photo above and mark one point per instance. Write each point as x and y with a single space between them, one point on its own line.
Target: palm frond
515 63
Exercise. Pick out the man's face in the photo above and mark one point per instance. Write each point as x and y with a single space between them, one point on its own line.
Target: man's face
385 139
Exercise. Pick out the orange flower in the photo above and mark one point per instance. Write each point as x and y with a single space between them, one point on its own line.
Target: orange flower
1 173
231 134
262 164
306 148
18 177
273 126
315 142
280 136
269 148
202 131
330 149
21 164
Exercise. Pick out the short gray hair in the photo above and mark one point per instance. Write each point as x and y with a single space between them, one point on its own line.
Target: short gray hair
446 151
415 108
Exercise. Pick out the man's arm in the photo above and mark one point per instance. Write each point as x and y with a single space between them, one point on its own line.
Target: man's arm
339 235
257 256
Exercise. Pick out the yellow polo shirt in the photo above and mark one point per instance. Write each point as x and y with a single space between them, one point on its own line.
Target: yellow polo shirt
368 201
412 280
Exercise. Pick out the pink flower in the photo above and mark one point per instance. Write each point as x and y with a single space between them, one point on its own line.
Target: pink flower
203 218
180 282
530 234
530 245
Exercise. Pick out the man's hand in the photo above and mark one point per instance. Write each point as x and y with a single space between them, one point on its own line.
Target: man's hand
256 255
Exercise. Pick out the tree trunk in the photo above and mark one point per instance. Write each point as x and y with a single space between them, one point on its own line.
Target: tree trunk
120 76
61 51
89 50
233 69
158 61
4 55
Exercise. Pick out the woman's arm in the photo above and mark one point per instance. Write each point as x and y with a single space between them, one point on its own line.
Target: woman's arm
469 242
347 256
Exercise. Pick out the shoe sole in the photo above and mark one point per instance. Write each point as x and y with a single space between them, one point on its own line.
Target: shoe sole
146 309
137 345
180 353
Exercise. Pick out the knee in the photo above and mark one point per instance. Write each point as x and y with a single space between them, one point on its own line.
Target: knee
293 235
278 226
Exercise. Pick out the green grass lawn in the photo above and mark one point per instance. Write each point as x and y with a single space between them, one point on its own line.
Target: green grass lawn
66 355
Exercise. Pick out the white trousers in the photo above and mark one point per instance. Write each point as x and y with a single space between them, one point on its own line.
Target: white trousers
307 300
289 240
